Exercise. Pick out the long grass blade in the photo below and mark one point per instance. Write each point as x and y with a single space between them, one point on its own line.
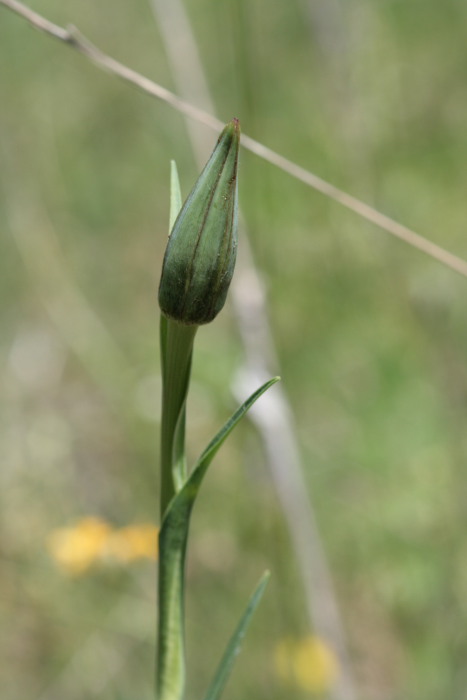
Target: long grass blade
234 646
184 500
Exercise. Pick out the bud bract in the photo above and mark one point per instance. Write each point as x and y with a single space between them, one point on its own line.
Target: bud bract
200 255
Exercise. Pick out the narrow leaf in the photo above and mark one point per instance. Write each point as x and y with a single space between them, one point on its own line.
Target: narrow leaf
211 450
234 646
175 194
184 500
175 206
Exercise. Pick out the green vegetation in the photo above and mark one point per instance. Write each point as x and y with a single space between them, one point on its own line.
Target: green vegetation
198 265
371 337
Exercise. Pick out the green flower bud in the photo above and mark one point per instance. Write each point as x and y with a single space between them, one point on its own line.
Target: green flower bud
200 256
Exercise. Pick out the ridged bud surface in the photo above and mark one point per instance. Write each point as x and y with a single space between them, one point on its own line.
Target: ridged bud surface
200 256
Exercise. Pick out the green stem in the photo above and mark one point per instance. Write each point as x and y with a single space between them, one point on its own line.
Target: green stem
176 353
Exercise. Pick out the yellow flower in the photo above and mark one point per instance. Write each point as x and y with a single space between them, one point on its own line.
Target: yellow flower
308 663
76 548
93 541
134 542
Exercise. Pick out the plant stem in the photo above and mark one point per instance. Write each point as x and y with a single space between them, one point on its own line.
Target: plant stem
176 353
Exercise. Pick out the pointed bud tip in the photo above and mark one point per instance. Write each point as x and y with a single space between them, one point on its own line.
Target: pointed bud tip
232 128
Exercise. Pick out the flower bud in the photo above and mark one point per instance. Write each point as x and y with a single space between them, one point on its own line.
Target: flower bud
200 255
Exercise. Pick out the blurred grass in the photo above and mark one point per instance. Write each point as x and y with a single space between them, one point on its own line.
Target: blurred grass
371 336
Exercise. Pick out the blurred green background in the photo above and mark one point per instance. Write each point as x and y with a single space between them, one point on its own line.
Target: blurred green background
371 337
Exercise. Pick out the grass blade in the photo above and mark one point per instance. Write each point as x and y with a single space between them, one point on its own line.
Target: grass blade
234 646
211 450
